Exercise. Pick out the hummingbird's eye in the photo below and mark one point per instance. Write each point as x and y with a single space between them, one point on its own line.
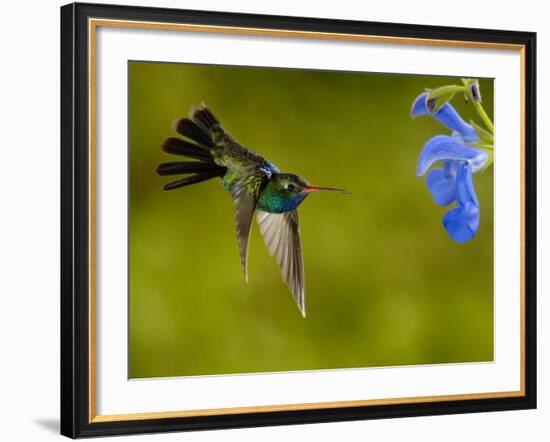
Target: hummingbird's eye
290 187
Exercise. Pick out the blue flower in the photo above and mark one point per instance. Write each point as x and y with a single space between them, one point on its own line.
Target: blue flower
446 115
453 182
462 222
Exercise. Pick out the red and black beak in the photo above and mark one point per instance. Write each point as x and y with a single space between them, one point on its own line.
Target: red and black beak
309 189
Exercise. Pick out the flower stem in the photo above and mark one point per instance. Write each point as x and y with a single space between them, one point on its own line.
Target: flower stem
479 108
489 162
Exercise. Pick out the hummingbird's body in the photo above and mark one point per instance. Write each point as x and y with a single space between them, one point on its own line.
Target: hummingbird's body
255 184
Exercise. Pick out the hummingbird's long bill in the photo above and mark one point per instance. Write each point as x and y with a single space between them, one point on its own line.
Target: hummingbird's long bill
309 189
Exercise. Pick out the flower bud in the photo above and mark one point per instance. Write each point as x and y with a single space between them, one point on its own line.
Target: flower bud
475 92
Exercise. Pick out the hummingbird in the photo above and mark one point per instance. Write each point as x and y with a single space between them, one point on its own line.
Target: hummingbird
256 186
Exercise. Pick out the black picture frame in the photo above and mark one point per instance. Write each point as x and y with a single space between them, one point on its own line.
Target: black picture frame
75 220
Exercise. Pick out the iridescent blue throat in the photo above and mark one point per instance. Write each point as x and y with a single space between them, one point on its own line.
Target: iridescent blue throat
276 199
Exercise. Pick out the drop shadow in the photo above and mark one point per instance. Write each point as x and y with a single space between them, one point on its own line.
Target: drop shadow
50 424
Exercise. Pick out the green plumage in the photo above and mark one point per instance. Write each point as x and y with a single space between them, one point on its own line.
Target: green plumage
255 185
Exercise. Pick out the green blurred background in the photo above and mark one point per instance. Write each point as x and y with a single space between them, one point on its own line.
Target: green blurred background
385 285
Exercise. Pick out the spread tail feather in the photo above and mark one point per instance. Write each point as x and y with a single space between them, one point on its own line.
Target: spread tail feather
203 128
205 119
193 179
185 167
177 146
193 131
199 171
203 132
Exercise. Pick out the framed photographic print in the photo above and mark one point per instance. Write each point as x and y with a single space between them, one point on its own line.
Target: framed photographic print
279 220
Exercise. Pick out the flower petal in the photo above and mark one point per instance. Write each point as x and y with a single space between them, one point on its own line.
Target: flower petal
462 222
446 115
443 147
419 106
442 183
465 192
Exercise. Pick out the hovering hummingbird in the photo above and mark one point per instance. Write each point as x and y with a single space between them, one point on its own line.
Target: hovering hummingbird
255 185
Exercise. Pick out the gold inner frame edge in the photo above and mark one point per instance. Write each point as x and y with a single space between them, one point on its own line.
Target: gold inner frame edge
93 24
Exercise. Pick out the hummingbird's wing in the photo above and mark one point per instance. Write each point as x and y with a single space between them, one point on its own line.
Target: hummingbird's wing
282 237
244 192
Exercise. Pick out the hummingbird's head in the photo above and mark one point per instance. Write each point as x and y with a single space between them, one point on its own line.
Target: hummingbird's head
286 191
